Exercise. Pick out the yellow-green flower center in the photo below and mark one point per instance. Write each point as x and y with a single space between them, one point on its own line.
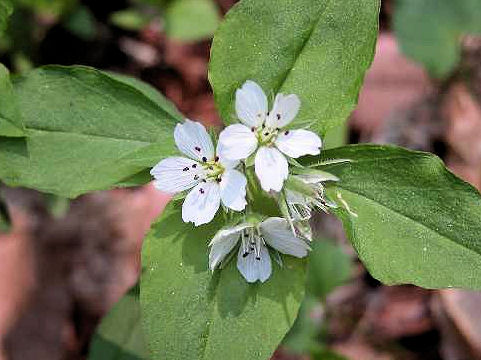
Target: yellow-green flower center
266 136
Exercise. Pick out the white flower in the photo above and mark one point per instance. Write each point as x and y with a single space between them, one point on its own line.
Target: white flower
265 132
253 259
213 179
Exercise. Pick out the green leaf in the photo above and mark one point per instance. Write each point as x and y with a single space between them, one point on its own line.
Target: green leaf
317 49
86 131
303 336
430 31
10 120
190 313
152 93
329 267
411 220
6 10
119 335
335 137
191 20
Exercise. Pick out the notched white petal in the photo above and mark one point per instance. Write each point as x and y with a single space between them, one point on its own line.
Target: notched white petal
271 168
251 104
176 174
236 142
193 140
253 269
233 190
202 203
285 109
277 233
296 143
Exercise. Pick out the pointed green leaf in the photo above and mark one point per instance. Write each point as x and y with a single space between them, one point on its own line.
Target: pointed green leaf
317 49
190 313
119 335
10 121
87 130
411 220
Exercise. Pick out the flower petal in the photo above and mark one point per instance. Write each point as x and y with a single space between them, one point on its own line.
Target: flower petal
296 143
233 190
251 104
176 174
277 233
284 110
225 162
223 243
193 140
253 269
201 204
271 168
236 142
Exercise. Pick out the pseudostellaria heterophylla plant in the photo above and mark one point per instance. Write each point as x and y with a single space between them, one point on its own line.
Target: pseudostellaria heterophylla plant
264 133
214 179
409 219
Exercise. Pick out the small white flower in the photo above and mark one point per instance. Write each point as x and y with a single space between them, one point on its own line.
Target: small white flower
265 132
253 259
213 179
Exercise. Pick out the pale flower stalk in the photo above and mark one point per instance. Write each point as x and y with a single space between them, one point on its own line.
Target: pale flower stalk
265 134
213 179
253 259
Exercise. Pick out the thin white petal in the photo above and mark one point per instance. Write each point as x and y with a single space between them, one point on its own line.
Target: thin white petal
277 233
284 110
253 269
251 104
193 140
236 142
233 190
296 143
223 243
201 204
271 168
176 174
